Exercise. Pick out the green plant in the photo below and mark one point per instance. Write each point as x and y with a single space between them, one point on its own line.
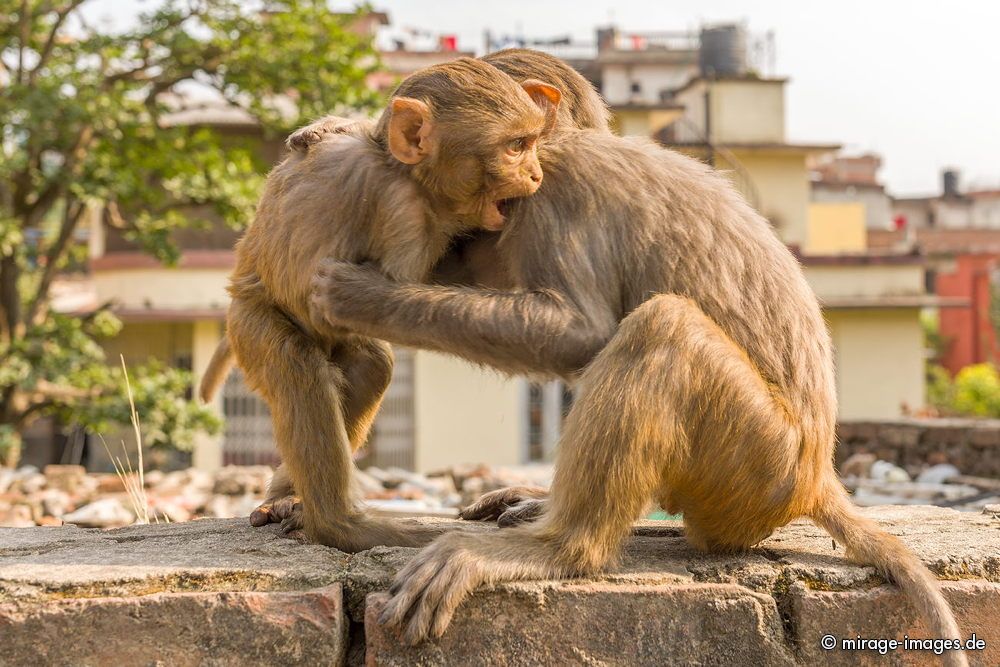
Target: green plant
84 127
977 391
940 389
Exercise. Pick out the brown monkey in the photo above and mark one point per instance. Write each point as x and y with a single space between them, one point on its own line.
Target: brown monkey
457 141
702 364
472 258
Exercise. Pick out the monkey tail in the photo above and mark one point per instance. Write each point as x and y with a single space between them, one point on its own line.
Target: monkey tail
869 544
218 369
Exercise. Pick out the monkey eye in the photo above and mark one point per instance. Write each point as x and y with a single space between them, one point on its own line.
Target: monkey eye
517 146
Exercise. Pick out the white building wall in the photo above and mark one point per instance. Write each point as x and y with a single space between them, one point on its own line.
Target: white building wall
654 81
985 213
465 414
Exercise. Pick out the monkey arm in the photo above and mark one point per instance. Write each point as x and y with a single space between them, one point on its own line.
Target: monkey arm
516 331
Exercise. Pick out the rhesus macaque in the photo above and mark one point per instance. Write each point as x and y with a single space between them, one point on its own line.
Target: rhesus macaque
703 372
456 142
471 259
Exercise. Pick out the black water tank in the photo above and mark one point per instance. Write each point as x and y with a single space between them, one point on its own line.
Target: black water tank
949 181
723 50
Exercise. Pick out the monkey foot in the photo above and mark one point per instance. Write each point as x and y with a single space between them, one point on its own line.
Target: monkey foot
508 507
287 511
304 137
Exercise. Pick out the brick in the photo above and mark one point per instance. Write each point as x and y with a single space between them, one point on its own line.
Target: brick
884 613
179 629
596 623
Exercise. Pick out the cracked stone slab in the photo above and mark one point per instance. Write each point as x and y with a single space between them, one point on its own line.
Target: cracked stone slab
182 629
597 624
790 580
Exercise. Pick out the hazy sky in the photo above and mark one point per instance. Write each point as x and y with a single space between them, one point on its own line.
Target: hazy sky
917 81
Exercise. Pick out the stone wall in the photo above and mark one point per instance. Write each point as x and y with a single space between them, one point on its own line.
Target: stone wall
217 592
972 445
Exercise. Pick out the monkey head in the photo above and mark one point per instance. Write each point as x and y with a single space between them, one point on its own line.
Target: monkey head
470 134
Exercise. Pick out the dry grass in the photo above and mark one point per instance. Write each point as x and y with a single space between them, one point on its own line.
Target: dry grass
134 481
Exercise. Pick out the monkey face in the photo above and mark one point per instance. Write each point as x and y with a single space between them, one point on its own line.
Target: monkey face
470 133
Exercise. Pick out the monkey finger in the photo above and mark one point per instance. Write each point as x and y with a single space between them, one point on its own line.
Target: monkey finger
407 589
260 516
291 524
492 505
523 512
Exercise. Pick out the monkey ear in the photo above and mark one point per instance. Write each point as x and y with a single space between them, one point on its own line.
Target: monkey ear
546 97
409 130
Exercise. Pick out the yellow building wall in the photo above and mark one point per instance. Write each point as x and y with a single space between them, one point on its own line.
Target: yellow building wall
836 228
642 122
880 361
747 111
780 183
205 337
465 414
169 342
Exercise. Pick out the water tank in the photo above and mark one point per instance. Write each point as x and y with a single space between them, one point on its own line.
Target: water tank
723 50
949 178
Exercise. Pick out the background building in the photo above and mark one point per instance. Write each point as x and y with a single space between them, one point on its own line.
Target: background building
697 92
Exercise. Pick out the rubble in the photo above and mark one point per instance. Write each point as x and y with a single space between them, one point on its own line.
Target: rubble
68 494
30 497
877 482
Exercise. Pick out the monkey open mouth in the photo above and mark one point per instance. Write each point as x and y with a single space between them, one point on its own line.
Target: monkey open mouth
495 216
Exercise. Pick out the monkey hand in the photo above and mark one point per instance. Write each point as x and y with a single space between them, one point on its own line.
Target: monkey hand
428 590
508 507
430 587
287 511
336 286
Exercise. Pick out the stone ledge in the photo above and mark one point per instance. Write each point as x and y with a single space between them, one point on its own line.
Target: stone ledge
232 593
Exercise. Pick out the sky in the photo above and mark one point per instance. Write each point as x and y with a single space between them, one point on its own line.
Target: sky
917 82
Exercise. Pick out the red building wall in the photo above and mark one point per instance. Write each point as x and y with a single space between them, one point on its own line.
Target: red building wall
968 332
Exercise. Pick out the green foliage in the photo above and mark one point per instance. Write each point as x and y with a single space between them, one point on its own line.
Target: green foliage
935 342
167 417
974 392
86 124
977 391
940 390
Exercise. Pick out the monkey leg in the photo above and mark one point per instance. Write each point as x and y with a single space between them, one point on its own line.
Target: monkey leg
666 381
295 377
366 371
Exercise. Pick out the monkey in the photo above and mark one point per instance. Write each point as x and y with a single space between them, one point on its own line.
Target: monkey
457 141
702 366
471 258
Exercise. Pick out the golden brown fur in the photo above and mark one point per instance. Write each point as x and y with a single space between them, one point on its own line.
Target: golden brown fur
703 369
379 197
471 259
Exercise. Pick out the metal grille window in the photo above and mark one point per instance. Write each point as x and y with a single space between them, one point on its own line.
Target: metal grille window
393 436
248 437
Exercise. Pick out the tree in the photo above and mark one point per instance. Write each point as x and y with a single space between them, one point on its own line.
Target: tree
82 128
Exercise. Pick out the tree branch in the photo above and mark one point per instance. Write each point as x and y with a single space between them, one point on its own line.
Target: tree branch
46 51
71 218
24 30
